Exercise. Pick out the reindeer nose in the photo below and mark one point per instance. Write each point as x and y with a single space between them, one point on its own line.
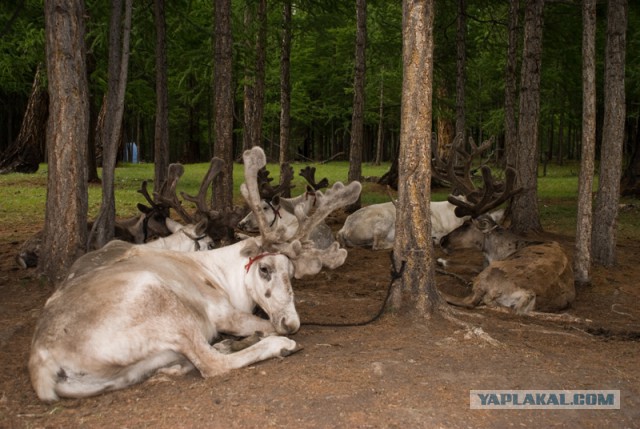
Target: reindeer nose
289 326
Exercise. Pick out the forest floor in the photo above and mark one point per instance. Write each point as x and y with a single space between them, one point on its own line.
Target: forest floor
395 372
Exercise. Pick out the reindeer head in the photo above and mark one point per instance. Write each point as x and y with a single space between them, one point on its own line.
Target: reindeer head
306 259
272 291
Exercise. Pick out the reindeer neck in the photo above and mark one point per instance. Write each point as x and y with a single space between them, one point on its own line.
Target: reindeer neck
225 268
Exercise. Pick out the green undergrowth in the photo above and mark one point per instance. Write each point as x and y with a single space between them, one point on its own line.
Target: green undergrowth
23 196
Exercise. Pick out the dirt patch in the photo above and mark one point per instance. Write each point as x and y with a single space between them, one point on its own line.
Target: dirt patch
392 373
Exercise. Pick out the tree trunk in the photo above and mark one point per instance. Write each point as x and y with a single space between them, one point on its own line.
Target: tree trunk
223 105
414 288
357 119
380 139
119 33
606 212
161 135
254 76
285 83
631 179
92 164
582 254
192 148
525 213
461 60
65 223
510 90
27 151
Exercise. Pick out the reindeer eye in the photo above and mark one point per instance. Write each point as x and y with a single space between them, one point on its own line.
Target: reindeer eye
267 294
264 272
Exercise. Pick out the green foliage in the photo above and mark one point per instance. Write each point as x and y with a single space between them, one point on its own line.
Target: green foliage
321 68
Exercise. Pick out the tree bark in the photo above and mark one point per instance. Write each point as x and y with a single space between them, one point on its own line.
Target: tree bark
631 179
223 105
510 90
254 77
525 213
27 151
65 223
357 119
161 135
380 139
414 288
608 196
285 83
461 59
119 34
582 254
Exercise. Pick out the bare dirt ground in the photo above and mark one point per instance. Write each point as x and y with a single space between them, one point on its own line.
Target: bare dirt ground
391 373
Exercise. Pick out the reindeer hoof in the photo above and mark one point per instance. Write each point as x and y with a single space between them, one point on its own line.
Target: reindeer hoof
287 352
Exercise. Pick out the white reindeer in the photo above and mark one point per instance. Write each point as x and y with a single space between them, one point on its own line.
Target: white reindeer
375 225
148 310
189 238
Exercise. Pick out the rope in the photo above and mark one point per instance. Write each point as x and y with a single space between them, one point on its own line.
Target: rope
395 275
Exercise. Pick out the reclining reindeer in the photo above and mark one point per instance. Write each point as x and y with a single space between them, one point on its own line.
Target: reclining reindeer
158 310
375 225
151 223
154 223
281 212
519 274
189 238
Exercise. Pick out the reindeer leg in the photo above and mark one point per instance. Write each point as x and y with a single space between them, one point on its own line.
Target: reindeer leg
231 346
210 362
242 324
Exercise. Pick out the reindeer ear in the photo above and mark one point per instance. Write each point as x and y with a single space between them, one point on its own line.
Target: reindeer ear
201 227
251 248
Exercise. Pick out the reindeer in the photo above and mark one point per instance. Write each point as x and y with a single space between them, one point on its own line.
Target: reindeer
151 310
375 225
519 274
189 238
150 224
281 212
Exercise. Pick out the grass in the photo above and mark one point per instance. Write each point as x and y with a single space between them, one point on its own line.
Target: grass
22 197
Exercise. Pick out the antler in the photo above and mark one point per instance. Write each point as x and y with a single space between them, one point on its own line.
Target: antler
478 201
255 160
200 200
306 259
167 194
267 192
309 173
332 199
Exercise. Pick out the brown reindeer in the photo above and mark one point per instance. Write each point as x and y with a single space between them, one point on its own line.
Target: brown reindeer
519 274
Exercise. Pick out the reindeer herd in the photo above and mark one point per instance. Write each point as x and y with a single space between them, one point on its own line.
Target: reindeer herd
132 309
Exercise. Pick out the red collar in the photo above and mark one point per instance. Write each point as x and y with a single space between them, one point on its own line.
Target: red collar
255 258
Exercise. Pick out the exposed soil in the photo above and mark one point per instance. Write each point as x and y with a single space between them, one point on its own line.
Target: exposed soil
394 372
